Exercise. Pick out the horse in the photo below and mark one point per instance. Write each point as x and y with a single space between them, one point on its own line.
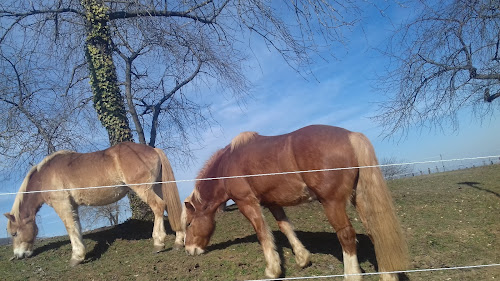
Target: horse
318 147
61 180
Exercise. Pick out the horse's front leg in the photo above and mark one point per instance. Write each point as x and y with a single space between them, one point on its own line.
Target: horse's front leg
253 212
302 255
69 215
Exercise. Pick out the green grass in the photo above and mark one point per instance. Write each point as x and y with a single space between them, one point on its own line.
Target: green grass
449 219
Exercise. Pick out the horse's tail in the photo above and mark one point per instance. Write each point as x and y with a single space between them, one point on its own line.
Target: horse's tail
376 210
170 192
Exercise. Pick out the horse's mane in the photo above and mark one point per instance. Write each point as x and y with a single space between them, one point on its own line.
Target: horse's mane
242 138
239 140
204 171
20 194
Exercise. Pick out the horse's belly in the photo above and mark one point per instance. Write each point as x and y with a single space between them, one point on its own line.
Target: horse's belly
99 196
288 196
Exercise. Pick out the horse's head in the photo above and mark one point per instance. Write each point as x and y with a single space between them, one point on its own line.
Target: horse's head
200 225
23 232
198 214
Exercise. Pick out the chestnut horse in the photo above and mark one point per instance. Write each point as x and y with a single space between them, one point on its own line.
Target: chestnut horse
311 148
125 164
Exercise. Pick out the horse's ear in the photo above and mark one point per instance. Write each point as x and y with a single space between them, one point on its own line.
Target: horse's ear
189 206
10 217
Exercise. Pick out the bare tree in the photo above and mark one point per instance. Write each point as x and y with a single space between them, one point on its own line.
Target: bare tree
446 59
190 39
391 169
44 105
183 55
163 46
91 216
37 116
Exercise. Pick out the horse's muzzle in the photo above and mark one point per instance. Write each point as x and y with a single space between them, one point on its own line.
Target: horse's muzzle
194 250
21 254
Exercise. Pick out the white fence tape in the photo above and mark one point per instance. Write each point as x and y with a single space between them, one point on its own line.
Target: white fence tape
388 272
258 175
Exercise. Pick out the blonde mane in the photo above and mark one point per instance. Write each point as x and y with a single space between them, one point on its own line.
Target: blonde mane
242 138
239 140
204 171
20 194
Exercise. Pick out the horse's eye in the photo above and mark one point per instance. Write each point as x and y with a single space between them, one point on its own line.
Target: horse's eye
14 234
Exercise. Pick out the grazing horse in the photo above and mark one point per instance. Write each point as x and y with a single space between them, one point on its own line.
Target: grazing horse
60 181
316 147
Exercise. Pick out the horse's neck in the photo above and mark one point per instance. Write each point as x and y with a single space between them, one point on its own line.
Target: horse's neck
212 193
215 195
219 191
31 204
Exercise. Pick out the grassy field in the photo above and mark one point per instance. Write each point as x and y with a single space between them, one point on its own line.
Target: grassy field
449 219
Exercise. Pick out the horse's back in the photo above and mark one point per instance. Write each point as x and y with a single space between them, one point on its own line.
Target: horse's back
317 145
136 161
124 154
120 164
311 148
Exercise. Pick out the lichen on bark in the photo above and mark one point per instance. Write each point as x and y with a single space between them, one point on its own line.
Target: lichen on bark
108 101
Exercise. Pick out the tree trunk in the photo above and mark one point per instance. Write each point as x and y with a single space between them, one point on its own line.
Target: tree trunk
108 102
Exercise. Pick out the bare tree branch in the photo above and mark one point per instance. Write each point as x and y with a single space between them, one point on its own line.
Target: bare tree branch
164 52
445 62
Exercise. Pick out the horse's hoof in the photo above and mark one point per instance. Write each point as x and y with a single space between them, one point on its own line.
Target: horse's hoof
75 262
273 273
158 248
389 277
13 258
178 246
303 259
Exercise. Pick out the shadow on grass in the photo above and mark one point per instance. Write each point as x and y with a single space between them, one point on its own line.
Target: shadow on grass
129 230
475 185
316 243
50 246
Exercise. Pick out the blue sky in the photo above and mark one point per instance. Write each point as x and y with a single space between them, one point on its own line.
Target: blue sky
339 92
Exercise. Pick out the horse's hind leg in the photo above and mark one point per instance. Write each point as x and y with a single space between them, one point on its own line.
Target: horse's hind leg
253 212
179 240
146 193
337 216
302 255
69 215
